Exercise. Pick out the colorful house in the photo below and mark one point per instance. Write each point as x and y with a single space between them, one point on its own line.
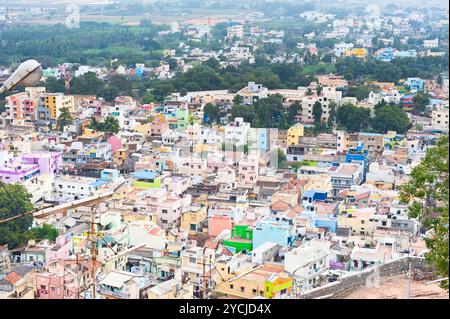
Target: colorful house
277 287
146 179
294 133
407 102
273 230
241 238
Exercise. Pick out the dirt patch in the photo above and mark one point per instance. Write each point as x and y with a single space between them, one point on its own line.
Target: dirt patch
397 288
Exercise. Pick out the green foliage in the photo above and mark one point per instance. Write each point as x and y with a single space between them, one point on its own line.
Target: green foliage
424 67
110 125
331 115
361 92
213 112
247 112
44 232
353 118
421 100
64 118
390 118
238 99
427 192
268 111
317 113
282 161
93 43
14 201
87 83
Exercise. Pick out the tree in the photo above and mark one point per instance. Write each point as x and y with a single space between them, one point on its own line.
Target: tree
294 110
45 232
161 90
353 118
331 115
212 113
14 200
94 124
268 111
317 113
248 113
109 93
64 118
281 158
428 195
390 118
111 125
238 99
87 83
147 98
421 100
361 92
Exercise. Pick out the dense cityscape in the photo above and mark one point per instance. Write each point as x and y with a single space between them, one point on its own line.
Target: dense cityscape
224 150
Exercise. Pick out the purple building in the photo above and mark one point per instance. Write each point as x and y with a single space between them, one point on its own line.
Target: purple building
29 166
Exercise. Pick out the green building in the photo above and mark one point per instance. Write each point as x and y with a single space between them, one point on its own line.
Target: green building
241 238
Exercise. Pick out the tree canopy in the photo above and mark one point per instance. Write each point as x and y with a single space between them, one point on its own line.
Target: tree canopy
427 192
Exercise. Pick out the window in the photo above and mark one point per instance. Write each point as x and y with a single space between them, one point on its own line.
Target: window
242 289
254 292
193 227
192 260
231 286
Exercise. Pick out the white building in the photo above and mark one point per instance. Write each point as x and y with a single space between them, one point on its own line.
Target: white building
264 252
308 261
434 43
439 118
237 132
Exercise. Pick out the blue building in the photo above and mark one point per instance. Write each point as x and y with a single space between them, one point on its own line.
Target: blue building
385 55
416 84
109 175
263 139
277 231
328 222
358 155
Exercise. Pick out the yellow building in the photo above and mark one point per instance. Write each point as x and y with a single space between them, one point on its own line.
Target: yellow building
359 220
144 129
193 219
247 282
319 181
54 102
356 52
294 133
120 156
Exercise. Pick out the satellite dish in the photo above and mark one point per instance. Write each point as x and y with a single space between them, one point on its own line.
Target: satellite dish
27 74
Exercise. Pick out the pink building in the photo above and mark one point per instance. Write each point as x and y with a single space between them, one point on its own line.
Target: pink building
116 143
249 168
158 126
168 207
218 224
64 279
60 250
